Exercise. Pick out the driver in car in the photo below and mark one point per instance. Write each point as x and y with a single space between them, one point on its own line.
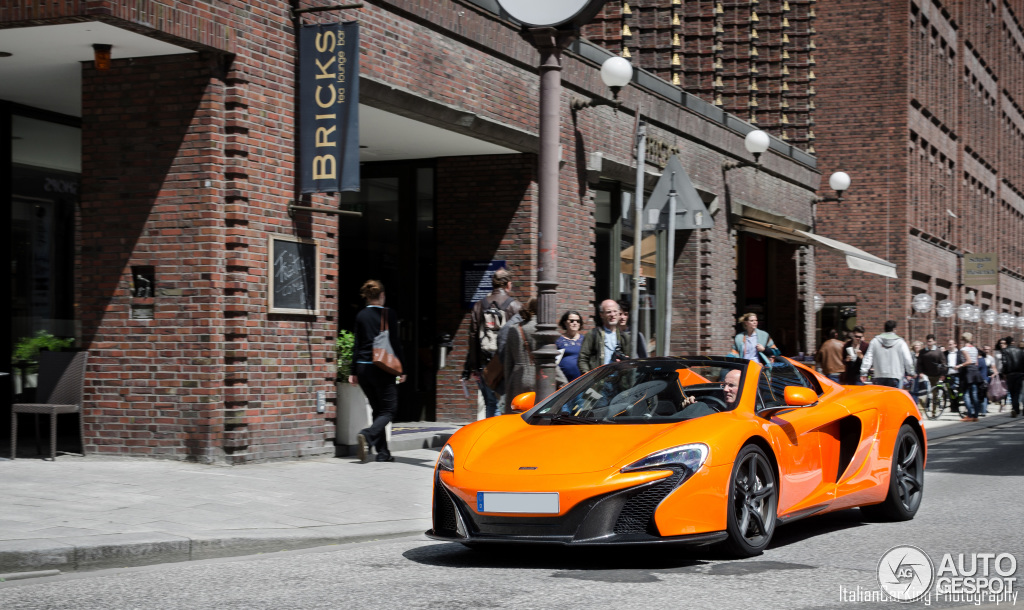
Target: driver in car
731 387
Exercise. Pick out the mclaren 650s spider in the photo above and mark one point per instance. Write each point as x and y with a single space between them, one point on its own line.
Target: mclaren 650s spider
680 450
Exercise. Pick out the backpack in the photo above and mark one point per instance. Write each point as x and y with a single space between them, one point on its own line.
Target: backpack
494 318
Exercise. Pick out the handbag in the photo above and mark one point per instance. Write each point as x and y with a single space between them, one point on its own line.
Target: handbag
383 354
494 373
997 388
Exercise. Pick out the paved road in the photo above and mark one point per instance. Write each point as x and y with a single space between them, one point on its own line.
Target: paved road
974 491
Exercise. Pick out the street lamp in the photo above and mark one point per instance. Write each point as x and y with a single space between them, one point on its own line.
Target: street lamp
839 181
616 73
756 143
550 27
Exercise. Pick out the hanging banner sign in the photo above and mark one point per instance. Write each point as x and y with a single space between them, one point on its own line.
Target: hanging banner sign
329 107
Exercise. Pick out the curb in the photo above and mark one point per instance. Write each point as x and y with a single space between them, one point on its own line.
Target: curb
404 442
45 557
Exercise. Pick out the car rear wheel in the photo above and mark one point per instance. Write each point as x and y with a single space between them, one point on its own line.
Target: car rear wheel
906 480
753 502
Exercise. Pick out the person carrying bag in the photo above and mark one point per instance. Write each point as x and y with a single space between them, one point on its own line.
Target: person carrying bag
378 362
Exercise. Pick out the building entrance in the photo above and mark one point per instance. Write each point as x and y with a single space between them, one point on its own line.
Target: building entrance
393 241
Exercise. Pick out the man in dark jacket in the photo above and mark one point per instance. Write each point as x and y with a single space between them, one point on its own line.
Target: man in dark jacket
1013 373
601 343
853 355
477 357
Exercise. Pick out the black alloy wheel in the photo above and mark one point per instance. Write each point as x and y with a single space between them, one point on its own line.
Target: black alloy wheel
906 481
753 503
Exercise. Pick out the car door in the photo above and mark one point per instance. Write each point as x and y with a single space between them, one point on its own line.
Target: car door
805 439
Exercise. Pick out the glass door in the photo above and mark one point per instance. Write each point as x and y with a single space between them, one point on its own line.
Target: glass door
393 241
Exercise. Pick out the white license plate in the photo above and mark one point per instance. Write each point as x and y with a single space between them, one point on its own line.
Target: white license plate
509 502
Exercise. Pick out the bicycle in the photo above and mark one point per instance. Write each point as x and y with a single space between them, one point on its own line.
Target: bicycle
945 396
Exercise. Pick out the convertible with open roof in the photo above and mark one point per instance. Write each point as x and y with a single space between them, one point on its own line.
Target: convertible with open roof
687 450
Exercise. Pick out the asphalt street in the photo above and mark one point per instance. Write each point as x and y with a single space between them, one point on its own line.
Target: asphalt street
973 491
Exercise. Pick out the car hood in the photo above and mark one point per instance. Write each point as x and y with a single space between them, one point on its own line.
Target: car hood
511 445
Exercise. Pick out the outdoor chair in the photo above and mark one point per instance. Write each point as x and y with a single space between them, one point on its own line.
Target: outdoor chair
61 376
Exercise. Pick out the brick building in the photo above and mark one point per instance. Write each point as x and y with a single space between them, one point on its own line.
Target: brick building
147 198
929 121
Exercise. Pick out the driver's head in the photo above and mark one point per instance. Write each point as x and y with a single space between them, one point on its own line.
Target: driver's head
731 387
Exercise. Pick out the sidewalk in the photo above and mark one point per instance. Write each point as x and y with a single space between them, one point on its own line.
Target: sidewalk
102 512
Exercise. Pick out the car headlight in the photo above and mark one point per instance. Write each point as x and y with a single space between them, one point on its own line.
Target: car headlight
690 456
447 459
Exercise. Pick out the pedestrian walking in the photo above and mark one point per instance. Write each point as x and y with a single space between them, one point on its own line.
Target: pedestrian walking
487 317
753 343
853 355
919 386
570 343
931 362
970 377
517 356
1013 373
378 385
603 344
986 371
953 358
890 357
830 356
626 327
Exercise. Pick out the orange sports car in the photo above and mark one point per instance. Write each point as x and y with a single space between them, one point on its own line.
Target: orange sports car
692 450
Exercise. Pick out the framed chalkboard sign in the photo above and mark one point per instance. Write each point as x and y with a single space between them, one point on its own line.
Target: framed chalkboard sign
294 276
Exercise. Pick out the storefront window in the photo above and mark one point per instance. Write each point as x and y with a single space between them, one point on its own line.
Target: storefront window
615 247
45 169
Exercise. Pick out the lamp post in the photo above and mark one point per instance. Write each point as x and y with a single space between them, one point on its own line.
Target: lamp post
550 27
616 73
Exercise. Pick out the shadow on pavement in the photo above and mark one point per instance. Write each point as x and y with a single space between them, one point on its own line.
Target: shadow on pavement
993 452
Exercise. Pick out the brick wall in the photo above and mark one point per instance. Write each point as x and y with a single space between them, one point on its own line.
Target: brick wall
945 85
188 170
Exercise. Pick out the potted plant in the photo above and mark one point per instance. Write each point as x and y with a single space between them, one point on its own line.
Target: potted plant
352 409
343 346
26 356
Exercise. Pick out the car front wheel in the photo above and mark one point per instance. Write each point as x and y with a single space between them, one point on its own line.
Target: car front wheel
753 502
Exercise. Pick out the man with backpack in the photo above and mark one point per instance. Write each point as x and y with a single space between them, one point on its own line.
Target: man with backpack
489 314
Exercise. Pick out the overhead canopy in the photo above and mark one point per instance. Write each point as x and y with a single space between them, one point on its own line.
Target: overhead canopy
648 262
855 257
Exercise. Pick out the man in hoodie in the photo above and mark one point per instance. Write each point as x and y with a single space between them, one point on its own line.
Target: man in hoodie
890 356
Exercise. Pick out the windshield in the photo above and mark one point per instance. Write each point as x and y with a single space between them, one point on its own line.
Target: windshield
650 391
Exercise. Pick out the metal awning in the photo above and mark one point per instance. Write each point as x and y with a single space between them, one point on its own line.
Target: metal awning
855 257
648 262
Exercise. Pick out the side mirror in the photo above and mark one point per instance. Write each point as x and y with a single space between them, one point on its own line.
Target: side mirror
524 402
800 397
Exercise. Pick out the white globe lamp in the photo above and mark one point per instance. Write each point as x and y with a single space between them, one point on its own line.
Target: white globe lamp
756 143
839 181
